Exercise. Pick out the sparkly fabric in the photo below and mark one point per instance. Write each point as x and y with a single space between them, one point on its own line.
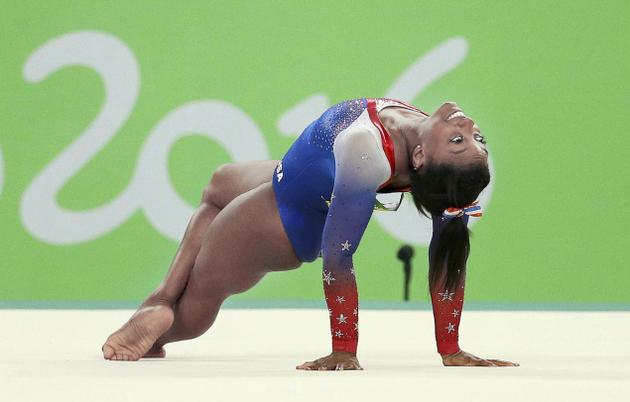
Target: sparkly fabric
334 121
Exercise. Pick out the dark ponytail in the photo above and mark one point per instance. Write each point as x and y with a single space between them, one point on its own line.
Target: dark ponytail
435 188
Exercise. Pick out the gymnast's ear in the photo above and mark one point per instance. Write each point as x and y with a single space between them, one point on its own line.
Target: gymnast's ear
418 158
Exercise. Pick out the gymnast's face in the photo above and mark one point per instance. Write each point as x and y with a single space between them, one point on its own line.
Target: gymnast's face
448 136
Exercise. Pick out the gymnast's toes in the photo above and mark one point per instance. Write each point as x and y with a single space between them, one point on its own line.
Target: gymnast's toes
111 351
108 352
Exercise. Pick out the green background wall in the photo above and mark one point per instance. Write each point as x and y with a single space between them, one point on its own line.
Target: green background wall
546 81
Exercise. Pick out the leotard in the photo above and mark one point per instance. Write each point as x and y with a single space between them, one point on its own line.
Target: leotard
326 188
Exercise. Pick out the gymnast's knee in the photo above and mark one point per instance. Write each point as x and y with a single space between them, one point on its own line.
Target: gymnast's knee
216 187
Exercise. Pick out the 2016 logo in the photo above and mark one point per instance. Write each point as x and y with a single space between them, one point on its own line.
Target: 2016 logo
150 188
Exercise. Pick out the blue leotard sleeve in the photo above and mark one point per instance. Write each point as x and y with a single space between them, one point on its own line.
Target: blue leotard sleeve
360 168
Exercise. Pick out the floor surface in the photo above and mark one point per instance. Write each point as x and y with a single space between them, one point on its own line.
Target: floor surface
250 355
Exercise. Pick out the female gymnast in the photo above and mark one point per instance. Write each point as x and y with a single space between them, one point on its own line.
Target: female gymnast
262 216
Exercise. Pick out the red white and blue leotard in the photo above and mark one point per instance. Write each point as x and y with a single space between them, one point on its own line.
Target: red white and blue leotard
326 188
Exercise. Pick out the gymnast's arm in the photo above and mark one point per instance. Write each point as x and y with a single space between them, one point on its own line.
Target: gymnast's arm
447 310
360 169
447 303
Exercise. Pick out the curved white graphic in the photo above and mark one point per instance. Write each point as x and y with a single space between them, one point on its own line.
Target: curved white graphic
429 68
217 120
294 120
150 188
117 67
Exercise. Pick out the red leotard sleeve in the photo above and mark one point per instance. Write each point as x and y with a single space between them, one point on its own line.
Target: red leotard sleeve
447 304
358 174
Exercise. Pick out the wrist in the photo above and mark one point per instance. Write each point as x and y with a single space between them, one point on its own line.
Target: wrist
345 345
447 355
342 353
446 348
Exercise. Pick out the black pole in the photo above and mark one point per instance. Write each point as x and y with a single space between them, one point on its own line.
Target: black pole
405 254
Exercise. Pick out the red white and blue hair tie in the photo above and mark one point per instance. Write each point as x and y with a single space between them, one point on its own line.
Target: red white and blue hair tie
473 209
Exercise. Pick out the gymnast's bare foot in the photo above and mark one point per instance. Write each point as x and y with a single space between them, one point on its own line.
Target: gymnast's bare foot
137 337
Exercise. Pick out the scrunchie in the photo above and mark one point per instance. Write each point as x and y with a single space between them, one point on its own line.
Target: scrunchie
471 210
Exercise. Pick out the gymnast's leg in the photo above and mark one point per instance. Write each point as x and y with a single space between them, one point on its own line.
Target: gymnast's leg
246 240
228 182
155 314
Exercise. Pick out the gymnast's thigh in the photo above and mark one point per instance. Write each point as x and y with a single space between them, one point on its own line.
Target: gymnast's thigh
233 179
244 242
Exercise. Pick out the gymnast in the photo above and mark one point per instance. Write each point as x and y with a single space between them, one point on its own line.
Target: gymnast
262 216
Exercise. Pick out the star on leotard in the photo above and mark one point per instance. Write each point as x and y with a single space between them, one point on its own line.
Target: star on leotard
352 271
355 312
455 313
346 246
329 312
328 277
341 299
450 328
446 295
338 333
356 326
342 319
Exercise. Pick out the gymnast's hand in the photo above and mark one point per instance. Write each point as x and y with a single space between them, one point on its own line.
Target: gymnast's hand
334 361
462 358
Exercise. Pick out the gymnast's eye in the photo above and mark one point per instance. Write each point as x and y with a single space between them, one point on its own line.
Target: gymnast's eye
480 138
457 139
